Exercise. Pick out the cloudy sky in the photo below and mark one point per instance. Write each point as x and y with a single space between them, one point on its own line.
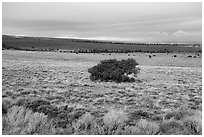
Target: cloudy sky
140 22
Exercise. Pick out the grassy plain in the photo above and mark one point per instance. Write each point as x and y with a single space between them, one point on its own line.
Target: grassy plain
165 84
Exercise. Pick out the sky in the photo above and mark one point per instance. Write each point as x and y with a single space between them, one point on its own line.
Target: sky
120 21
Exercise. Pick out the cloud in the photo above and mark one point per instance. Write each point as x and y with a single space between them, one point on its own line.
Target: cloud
156 34
106 38
180 33
46 25
118 38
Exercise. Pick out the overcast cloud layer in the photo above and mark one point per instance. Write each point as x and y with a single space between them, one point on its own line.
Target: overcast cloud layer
140 22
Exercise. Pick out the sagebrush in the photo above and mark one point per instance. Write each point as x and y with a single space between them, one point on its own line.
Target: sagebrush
19 120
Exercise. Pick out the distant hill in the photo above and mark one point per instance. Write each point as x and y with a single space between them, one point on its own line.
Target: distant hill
40 43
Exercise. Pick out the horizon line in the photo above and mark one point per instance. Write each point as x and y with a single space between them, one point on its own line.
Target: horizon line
107 40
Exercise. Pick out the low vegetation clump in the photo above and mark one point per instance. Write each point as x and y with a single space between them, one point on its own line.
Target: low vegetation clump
6 103
19 120
63 115
193 124
114 70
147 128
114 118
87 125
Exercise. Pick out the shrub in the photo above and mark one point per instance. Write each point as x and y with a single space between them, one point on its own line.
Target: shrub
193 124
21 101
20 120
147 127
34 104
131 130
182 121
181 113
113 70
6 104
172 127
86 120
115 118
49 110
142 127
178 115
138 114
85 125
88 125
63 116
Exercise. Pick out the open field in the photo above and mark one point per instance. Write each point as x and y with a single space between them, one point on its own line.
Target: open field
165 84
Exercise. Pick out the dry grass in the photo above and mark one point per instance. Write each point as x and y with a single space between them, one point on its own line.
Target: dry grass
147 127
114 118
87 125
164 85
24 122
